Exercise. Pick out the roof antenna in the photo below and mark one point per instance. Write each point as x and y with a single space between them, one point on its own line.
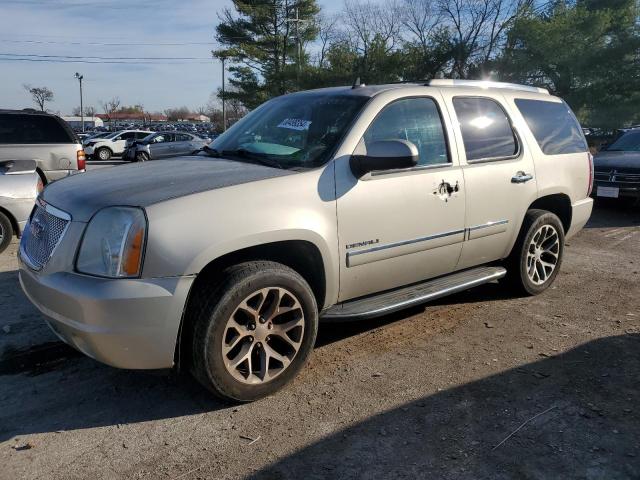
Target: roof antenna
357 84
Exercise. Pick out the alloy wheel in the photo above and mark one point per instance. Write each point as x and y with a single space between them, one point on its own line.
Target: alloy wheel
263 335
543 254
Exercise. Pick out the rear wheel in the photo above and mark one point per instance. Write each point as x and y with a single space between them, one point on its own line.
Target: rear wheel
537 255
104 154
6 232
141 157
253 331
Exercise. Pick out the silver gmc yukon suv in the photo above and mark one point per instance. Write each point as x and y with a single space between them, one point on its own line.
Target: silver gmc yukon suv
340 203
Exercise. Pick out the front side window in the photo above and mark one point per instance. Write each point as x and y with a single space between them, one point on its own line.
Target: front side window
553 125
295 131
486 129
416 120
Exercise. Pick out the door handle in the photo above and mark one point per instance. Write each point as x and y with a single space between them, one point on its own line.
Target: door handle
445 189
521 177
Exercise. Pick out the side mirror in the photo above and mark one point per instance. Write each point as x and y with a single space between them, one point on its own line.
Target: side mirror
385 155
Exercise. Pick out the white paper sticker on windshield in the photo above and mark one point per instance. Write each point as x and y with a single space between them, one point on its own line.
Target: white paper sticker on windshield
295 124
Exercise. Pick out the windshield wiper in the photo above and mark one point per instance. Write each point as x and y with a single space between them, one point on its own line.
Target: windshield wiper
261 158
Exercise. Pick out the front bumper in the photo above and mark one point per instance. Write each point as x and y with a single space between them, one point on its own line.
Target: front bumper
125 323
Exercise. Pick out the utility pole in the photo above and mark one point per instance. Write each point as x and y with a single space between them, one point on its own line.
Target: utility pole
297 21
224 110
80 77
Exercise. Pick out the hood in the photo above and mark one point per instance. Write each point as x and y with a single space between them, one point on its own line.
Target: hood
143 184
622 161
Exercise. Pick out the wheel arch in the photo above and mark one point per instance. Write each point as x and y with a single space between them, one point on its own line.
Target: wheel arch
302 256
558 204
12 221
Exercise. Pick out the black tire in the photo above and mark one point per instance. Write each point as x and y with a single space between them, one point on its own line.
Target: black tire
214 306
103 154
518 265
141 157
6 232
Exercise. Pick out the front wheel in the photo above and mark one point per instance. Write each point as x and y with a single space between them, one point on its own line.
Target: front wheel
254 330
6 232
537 255
104 154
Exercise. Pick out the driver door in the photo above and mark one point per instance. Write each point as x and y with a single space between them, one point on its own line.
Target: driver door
398 227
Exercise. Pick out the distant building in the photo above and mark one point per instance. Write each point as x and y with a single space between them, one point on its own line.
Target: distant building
89 122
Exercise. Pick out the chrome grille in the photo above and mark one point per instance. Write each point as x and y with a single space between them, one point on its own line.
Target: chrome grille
42 235
614 176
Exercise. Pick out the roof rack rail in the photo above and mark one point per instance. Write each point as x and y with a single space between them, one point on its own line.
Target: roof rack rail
447 82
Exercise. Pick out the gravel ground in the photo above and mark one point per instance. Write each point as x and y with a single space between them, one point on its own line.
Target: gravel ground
477 385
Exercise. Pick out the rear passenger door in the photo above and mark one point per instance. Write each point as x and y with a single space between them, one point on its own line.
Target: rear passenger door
183 144
498 171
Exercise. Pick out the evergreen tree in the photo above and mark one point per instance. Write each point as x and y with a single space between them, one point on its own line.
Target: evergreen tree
265 42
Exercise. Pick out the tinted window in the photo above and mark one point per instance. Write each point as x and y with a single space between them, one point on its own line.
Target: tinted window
553 125
141 135
26 129
486 130
127 136
416 120
628 142
181 137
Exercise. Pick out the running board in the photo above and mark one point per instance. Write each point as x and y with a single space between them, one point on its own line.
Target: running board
393 300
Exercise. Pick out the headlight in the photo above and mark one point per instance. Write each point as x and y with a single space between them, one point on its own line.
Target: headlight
113 243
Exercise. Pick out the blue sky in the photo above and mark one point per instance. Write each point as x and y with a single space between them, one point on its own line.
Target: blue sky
69 27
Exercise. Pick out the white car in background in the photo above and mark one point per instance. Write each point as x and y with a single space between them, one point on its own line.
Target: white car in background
114 144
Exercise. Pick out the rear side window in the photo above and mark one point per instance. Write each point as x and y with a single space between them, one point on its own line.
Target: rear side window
553 125
32 129
486 129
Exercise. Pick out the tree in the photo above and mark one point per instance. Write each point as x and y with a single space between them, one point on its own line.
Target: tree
110 106
265 42
39 95
585 52
88 111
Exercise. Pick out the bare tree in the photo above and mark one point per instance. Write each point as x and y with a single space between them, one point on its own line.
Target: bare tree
110 106
421 19
90 111
39 95
328 34
368 22
477 27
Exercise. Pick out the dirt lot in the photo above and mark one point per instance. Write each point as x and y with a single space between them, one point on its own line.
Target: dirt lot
435 392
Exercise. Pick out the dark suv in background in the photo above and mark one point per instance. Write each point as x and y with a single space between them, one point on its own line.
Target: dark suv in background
617 167
45 138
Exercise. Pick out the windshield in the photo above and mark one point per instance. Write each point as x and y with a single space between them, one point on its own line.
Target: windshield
297 131
629 142
114 134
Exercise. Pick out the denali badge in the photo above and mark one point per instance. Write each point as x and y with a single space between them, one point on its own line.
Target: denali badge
363 244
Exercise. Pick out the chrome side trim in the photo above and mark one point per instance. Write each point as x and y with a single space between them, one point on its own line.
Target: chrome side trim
466 235
404 242
483 229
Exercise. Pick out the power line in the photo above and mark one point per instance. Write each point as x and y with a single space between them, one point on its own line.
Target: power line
85 57
49 60
106 44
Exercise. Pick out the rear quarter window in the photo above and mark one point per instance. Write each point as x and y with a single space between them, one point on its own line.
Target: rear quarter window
553 125
32 129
